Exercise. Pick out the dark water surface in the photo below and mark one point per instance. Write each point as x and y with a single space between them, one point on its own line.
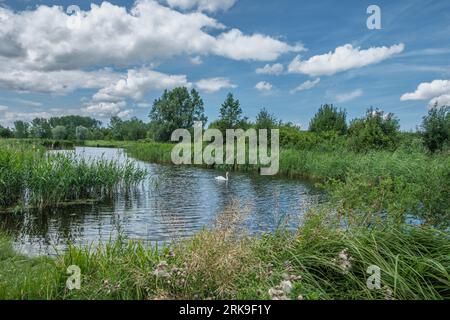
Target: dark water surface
175 201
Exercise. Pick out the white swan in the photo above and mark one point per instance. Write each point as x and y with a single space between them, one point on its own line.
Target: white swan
222 178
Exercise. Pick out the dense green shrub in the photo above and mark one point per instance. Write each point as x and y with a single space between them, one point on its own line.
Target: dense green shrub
5 132
436 128
266 120
329 118
376 130
59 133
81 133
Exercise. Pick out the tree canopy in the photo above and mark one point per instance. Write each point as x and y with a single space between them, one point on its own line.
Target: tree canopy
377 130
175 109
329 118
436 128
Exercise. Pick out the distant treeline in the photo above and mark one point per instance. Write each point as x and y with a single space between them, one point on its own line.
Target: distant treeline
77 128
181 108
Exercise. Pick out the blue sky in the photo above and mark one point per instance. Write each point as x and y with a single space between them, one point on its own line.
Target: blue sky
121 56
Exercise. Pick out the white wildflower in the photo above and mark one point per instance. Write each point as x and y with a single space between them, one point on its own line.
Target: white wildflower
286 286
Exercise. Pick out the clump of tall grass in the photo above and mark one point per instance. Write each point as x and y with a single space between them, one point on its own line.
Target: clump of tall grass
59 178
22 277
31 177
15 162
151 151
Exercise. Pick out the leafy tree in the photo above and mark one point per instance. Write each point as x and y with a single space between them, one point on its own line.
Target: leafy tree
376 130
231 112
21 129
230 116
329 118
100 134
115 127
265 120
40 128
81 133
59 133
72 122
176 109
5 132
135 129
436 128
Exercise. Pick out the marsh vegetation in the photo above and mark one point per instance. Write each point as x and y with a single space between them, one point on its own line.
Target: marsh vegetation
388 205
32 177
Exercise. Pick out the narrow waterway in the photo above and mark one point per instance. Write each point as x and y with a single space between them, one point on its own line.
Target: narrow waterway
174 202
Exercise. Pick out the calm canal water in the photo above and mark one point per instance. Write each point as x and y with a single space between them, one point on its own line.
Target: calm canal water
174 202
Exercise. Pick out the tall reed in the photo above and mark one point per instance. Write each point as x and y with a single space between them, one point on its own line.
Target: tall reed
31 177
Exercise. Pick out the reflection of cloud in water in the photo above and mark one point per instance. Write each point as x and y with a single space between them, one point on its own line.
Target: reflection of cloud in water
174 202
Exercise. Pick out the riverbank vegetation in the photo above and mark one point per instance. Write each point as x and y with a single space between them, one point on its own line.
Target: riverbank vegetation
388 205
32 177
321 260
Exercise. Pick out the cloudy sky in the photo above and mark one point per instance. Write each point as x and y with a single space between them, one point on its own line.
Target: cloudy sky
115 58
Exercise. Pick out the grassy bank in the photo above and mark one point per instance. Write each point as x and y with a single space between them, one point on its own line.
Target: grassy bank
30 177
319 261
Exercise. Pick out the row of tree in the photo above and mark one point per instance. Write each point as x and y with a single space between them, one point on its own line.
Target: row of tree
181 108
77 128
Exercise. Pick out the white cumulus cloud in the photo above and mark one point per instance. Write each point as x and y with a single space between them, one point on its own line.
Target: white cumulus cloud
437 90
196 60
56 82
107 109
203 5
214 84
342 59
428 90
139 82
309 84
263 86
275 69
345 97
48 38
235 45
443 100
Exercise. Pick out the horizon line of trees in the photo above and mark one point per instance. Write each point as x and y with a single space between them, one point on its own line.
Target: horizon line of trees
180 109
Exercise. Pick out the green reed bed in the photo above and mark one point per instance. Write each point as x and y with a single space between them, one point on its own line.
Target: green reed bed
29 177
15 161
65 177
151 151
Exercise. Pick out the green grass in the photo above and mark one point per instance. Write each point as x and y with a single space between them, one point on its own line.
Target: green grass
29 177
25 278
225 264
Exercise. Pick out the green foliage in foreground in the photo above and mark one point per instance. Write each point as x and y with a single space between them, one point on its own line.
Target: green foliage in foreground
320 261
